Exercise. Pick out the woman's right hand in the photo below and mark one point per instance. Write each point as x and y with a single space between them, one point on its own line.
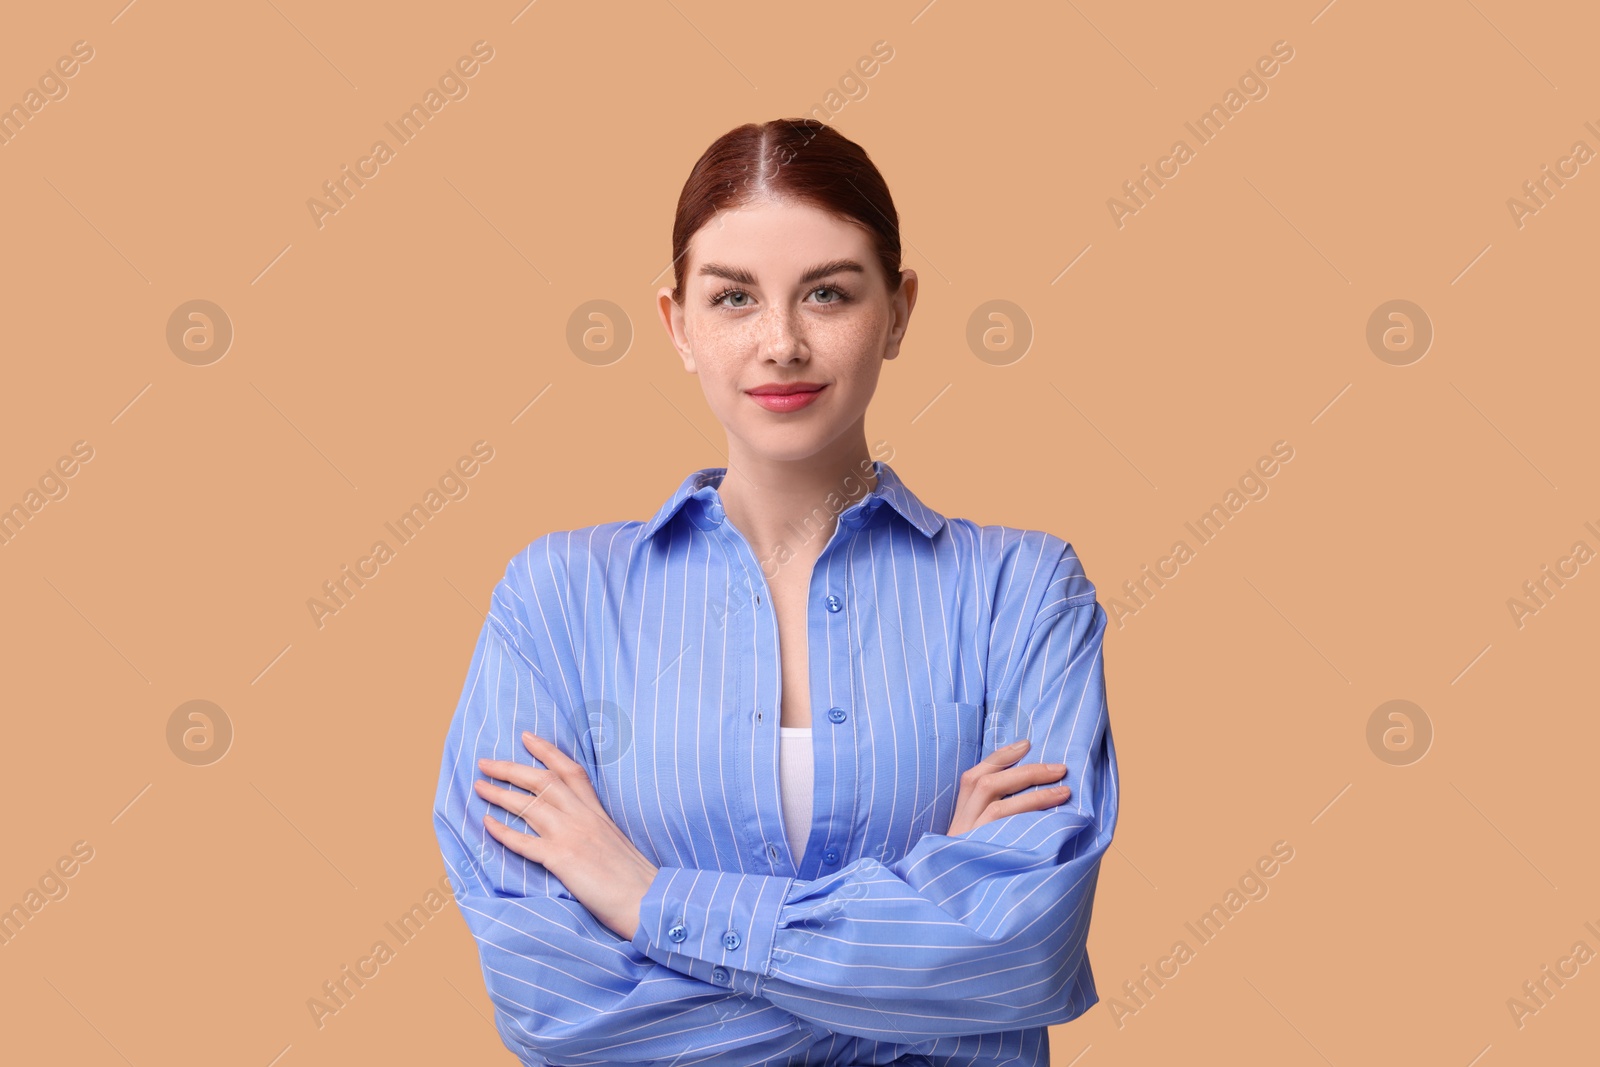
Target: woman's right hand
986 787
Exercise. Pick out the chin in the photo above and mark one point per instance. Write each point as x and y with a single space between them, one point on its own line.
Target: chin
794 447
786 447
788 455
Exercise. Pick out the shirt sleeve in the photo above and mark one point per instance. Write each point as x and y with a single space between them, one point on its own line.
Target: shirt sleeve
565 988
971 934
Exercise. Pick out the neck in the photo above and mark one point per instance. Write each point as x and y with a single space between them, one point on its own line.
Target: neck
780 503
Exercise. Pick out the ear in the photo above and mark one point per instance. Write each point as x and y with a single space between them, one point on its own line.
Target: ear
672 319
902 302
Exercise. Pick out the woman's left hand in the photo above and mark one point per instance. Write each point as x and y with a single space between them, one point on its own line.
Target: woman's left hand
574 838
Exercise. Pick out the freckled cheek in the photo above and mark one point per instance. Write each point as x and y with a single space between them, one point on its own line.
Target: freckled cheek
727 341
851 344
840 339
855 336
722 362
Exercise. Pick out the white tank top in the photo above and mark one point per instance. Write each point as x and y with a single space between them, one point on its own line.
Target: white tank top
795 782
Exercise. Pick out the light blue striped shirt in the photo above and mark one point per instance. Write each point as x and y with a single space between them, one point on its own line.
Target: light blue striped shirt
649 652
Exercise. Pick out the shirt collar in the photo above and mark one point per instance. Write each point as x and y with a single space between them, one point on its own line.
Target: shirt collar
701 487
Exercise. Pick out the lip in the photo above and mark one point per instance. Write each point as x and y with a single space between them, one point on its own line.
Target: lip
784 388
791 396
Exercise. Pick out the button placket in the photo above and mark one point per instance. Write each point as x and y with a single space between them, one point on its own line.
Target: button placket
742 558
843 681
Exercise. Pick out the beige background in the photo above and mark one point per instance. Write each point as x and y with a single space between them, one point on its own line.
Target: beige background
1229 313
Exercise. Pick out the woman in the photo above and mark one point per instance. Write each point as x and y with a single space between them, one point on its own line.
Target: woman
740 784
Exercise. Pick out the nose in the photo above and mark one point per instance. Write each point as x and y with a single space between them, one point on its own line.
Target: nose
784 341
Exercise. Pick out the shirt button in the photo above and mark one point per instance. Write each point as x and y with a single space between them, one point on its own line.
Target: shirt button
836 715
834 603
730 940
720 975
831 856
678 932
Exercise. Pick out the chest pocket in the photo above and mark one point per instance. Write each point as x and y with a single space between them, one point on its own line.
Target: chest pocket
954 726
952 741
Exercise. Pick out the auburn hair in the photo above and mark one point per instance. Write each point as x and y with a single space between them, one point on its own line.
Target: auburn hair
791 159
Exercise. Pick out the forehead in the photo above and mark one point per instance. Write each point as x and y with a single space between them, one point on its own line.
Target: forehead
777 237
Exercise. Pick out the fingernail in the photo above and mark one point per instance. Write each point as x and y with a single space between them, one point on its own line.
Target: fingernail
1058 767
1016 744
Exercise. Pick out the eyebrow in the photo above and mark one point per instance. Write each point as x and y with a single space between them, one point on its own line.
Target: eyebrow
744 277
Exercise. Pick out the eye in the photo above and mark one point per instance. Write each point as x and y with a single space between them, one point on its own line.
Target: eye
717 299
839 296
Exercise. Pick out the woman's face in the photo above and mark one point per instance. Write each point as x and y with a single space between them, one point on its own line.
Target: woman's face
784 294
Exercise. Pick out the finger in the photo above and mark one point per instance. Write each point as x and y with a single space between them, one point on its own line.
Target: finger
1002 757
550 755
975 790
545 783
516 803
568 769
1018 778
530 808
1037 800
525 845
986 781
527 776
993 763
985 785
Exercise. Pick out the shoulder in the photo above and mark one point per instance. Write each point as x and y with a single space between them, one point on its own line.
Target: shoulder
1029 573
534 598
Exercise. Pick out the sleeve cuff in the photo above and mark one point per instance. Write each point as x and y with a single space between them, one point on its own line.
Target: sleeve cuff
715 926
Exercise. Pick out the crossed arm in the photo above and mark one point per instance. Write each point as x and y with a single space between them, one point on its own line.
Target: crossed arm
968 934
